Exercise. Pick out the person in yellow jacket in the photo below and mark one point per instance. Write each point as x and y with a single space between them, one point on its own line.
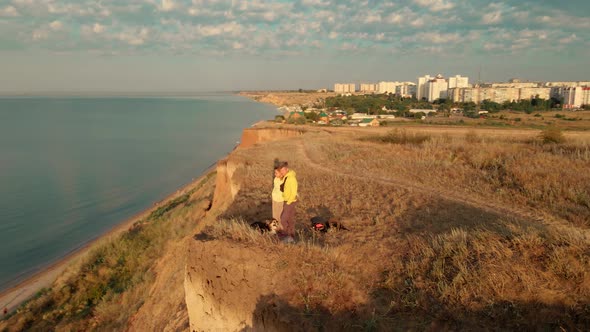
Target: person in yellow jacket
289 190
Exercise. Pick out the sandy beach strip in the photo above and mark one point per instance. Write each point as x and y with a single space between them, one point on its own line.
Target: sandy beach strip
12 298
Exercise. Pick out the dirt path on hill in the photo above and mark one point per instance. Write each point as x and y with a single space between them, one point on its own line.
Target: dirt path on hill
487 206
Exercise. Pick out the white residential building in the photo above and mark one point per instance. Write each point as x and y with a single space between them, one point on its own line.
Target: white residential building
369 87
498 95
344 88
558 88
406 90
515 84
422 87
387 87
458 81
437 88
575 97
567 84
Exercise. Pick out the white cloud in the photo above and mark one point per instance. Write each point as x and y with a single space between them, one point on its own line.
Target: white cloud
9 11
561 20
269 16
168 5
570 39
98 28
371 18
394 18
419 22
232 29
435 37
56 25
492 17
317 3
134 38
435 5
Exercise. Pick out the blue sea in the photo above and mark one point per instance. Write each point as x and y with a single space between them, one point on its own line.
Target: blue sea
73 168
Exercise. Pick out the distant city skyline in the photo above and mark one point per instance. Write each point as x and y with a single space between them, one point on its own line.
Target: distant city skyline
213 45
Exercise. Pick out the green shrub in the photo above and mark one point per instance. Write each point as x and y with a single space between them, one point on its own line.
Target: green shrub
400 137
169 206
552 135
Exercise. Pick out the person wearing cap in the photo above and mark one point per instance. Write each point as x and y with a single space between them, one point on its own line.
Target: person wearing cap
289 190
277 194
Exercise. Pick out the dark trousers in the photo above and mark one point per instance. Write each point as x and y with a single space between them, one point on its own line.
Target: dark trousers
288 218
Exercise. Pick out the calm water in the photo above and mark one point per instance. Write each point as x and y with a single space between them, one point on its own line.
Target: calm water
73 168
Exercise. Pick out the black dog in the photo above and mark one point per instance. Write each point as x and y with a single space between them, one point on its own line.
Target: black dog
267 226
320 224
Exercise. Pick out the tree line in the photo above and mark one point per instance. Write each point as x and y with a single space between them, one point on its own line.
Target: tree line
376 104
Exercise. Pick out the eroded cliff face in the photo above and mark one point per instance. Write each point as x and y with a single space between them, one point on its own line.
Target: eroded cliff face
226 287
251 136
227 182
229 287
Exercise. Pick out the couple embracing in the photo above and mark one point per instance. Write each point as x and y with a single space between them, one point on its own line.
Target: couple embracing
284 200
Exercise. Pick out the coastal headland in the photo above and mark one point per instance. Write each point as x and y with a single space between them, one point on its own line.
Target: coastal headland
447 227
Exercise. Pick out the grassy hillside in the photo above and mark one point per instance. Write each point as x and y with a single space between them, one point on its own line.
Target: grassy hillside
109 286
448 230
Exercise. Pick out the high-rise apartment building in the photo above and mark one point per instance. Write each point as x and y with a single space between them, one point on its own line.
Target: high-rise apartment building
498 95
437 88
422 87
458 81
369 87
344 87
574 97
387 87
433 88
406 90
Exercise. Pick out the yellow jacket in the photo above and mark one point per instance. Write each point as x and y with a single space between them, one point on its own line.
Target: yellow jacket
289 187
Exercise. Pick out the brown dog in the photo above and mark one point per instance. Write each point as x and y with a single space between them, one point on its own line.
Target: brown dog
267 226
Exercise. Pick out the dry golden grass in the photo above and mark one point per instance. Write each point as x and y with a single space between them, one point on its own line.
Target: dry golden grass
463 231
565 120
469 230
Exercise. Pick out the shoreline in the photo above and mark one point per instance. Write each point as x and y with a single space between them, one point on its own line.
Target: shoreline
12 297
24 290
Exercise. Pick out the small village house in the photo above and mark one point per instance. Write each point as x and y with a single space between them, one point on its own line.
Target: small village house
369 123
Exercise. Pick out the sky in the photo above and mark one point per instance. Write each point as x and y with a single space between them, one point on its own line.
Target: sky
211 45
